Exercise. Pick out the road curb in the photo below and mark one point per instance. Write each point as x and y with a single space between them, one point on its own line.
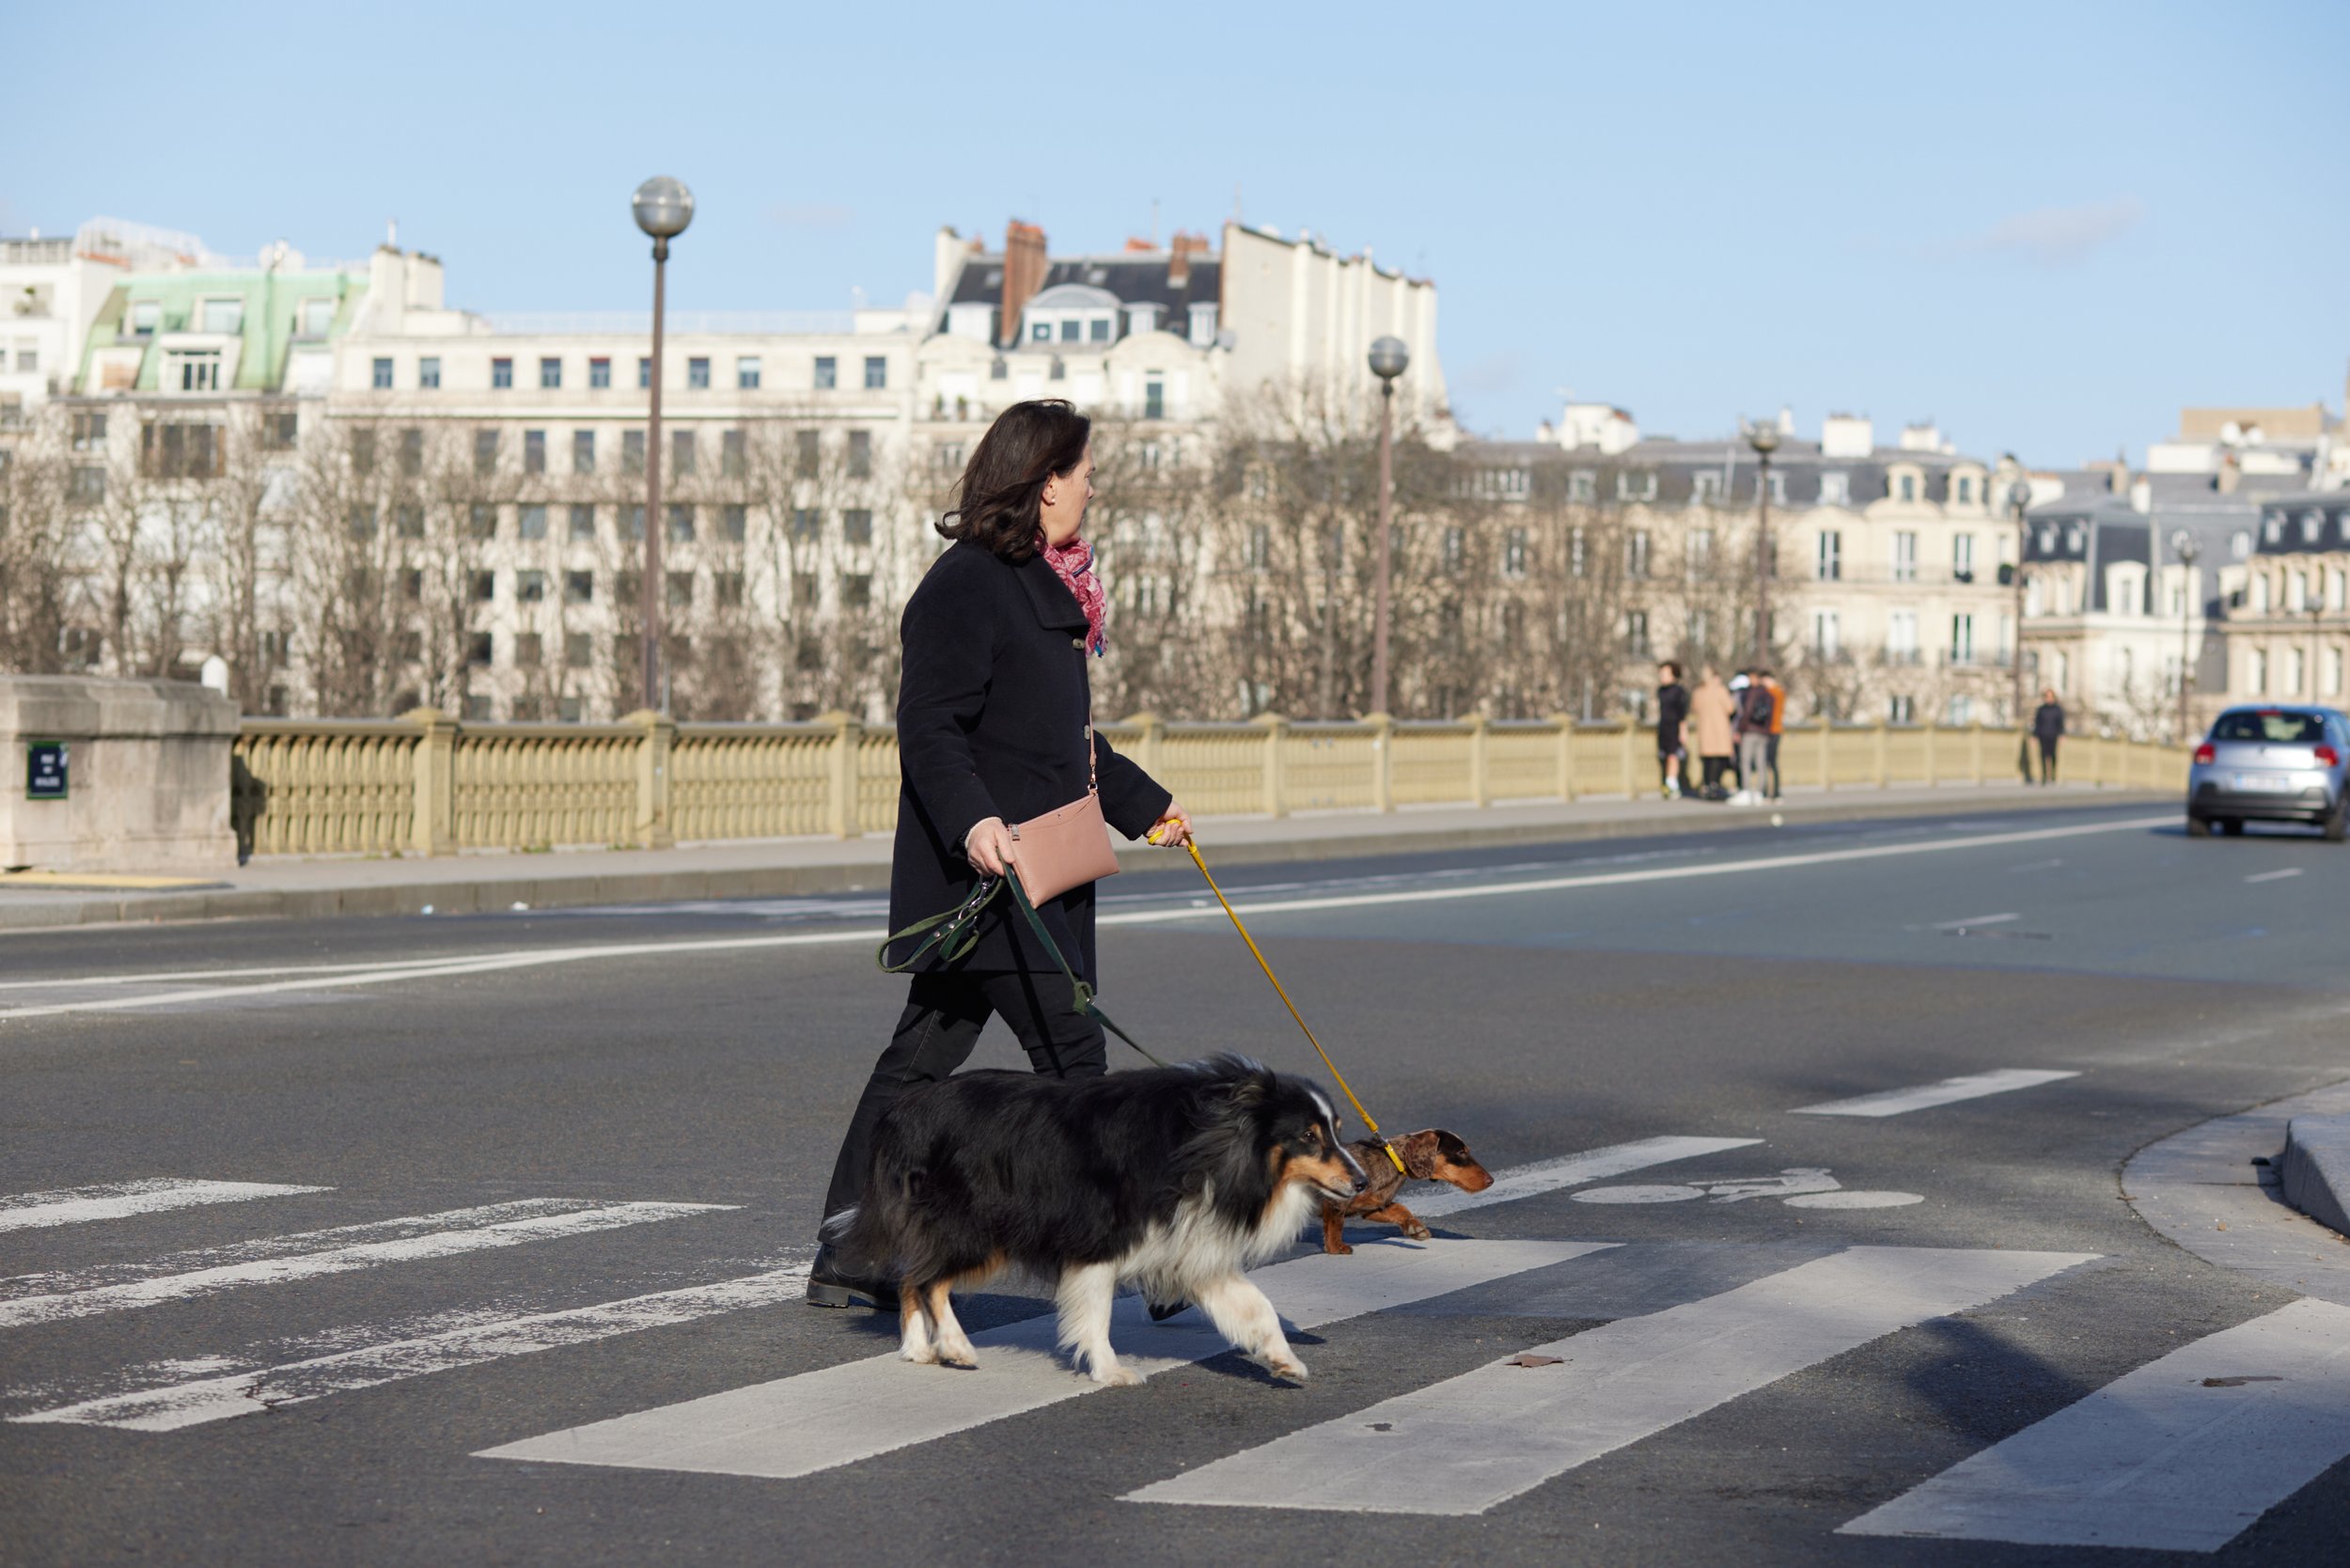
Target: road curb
2315 1169
495 891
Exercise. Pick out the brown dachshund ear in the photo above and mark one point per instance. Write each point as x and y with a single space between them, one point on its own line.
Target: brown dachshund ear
1419 1154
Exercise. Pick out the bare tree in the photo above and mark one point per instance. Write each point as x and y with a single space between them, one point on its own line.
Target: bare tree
36 549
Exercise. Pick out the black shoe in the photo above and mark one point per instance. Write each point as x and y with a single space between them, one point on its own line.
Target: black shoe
830 1284
1162 1310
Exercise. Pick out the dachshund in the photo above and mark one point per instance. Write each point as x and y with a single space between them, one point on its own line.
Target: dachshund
1432 1156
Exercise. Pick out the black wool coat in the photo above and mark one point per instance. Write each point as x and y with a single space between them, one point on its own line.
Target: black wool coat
991 714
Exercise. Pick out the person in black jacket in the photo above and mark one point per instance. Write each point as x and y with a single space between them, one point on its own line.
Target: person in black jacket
1672 719
2048 728
994 720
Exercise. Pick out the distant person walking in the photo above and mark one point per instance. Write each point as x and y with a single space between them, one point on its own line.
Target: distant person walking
1672 727
1712 714
1756 709
1779 726
2048 728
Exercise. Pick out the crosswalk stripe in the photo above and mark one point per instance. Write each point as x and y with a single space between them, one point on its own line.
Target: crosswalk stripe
1568 1170
818 1421
35 1211
1464 1445
2180 1455
50 1297
1967 1085
171 1406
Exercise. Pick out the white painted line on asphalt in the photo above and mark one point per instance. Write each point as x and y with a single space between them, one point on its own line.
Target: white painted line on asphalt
1967 1085
2275 876
2180 1455
1569 1170
35 1211
171 1406
820 1420
1464 1445
528 958
51 1298
1977 920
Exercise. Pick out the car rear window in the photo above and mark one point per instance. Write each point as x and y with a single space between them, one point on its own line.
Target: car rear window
2275 729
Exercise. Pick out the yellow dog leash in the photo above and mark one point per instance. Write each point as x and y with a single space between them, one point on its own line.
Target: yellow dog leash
1192 845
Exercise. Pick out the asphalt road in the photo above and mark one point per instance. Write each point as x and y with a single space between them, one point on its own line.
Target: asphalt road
570 1161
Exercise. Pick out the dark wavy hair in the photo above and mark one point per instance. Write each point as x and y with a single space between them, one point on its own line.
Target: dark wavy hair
997 500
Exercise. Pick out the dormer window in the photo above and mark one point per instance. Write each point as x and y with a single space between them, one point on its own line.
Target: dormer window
1097 330
1966 490
1583 486
1836 490
1636 485
1707 490
2312 522
146 315
2240 544
1040 333
225 315
1906 487
2272 530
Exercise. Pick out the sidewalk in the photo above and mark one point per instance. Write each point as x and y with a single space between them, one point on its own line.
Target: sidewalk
289 888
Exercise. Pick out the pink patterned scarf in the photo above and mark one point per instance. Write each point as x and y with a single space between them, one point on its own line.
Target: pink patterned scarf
1072 563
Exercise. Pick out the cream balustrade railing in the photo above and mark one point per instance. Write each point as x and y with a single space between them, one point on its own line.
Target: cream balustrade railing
425 784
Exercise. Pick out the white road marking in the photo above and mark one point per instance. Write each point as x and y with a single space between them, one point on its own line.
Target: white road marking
1464 1445
2275 876
1967 1085
171 1406
1849 1200
1977 920
50 1297
820 1420
602 953
35 1211
1572 1171
2158 1459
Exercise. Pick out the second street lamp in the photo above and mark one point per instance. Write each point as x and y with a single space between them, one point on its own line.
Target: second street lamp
1763 436
1388 359
2019 501
2183 545
663 207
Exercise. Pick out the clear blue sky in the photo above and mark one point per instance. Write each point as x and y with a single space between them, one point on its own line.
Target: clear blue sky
2046 226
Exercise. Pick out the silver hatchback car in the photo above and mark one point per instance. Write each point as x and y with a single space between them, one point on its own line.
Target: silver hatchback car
2281 765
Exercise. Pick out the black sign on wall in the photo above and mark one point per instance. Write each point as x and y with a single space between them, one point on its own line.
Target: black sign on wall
45 770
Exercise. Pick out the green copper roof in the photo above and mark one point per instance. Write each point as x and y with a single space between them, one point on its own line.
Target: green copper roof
268 317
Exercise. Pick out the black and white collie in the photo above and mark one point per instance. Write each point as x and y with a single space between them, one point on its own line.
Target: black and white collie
1176 1180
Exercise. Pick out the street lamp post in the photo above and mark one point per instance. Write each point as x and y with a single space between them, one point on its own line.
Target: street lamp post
2018 499
1763 435
2183 545
663 207
1389 358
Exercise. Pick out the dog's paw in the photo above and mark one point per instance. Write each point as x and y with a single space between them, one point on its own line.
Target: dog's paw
1115 1376
1418 1231
1338 1249
1286 1366
958 1356
921 1356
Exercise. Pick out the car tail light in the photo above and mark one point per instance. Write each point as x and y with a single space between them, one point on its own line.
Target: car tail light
2328 757
2206 753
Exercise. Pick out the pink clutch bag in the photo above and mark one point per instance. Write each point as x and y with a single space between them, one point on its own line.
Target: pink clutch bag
1067 846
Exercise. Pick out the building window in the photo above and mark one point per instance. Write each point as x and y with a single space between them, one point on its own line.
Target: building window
1513 554
199 371
583 451
360 521
380 377
582 528
481 519
485 586
530 588
856 591
1707 490
1836 490
534 451
1635 634
363 451
1455 547
1154 399
501 373
1962 639
146 315
410 521
997 368
681 452
1636 553
681 525
860 454
827 373
1900 637
600 373
1060 370
697 373
579 587
1827 641
1636 486
1909 487
1963 558
428 372
681 586
1071 330
551 373
1699 554
632 451
1583 487
876 372
1040 333
738 523
856 525
1260 547
279 430
644 371
485 450
480 648
746 372
1905 556
579 648
1575 561
807 454
807 523
531 522
225 317
1966 490
732 459
90 432
631 521
1901 710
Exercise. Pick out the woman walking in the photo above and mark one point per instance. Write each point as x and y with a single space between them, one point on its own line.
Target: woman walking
994 720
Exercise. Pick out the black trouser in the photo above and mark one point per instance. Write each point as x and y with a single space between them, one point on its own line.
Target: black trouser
944 1012
2047 759
1770 754
1714 768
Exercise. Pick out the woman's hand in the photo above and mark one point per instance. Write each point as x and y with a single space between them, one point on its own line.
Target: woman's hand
1173 828
989 846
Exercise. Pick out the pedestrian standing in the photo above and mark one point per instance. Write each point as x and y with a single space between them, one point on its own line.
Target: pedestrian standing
994 727
1711 712
2048 728
1779 726
1672 727
1755 711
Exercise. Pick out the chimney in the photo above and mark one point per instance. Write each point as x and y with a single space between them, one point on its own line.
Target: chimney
1183 247
1024 274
